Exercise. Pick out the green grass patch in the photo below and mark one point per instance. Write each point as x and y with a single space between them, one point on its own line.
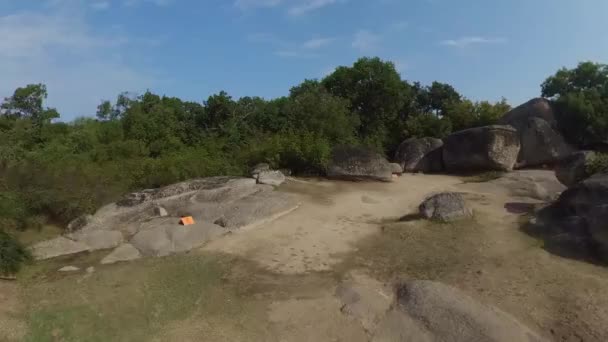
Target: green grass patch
126 302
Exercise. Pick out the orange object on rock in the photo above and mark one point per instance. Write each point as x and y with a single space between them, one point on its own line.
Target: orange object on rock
186 221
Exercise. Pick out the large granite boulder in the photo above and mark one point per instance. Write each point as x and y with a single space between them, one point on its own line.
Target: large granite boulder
573 168
431 311
536 108
358 163
541 142
583 196
445 207
99 239
420 155
481 149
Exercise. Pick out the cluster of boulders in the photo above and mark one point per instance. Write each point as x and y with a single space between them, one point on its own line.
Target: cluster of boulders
527 136
263 174
147 223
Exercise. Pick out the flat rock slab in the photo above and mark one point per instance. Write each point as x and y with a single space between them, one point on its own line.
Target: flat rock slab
125 252
57 247
100 239
165 236
447 314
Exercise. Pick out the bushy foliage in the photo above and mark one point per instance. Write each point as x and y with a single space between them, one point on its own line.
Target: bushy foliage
581 101
12 254
597 164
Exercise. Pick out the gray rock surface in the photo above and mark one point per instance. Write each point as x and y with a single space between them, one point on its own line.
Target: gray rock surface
396 168
124 252
236 202
160 211
358 163
437 312
69 269
162 237
420 155
541 144
58 246
445 207
261 167
78 223
274 178
583 196
99 239
481 149
535 108
572 169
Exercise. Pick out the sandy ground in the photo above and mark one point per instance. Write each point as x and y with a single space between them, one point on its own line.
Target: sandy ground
283 284
331 219
354 226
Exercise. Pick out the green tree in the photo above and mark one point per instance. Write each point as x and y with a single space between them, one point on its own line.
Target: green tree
376 94
27 102
580 98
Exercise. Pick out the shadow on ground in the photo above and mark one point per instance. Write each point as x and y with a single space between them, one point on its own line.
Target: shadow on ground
562 235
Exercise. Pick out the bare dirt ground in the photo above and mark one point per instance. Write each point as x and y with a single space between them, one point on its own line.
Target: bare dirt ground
278 281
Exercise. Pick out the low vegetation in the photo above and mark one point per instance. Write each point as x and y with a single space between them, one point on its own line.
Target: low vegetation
12 255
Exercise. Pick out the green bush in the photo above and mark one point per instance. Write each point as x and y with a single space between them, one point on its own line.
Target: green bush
12 254
597 164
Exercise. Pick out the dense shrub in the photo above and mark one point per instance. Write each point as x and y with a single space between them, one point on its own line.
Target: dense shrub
12 254
597 164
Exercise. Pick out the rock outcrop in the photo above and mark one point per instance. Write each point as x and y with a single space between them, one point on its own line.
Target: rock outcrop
358 163
573 168
541 142
124 252
445 207
58 246
481 149
431 311
420 155
274 178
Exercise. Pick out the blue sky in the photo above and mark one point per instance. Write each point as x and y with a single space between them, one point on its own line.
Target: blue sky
89 50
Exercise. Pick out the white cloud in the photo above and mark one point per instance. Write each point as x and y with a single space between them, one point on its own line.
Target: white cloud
130 3
60 49
365 40
294 7
309 5
317 43
468 41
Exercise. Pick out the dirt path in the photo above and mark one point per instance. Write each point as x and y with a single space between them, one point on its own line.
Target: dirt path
11 327
332 218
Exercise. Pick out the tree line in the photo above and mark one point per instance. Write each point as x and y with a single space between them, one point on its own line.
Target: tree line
53 171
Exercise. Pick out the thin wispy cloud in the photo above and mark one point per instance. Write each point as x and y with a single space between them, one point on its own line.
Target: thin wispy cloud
468 41
365 40
310 5
284 48
59 48
294 7
317 43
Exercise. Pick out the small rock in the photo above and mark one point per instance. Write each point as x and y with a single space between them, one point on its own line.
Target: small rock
275 178
90 269
259 168
445 207
396 168
160 211
69 269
